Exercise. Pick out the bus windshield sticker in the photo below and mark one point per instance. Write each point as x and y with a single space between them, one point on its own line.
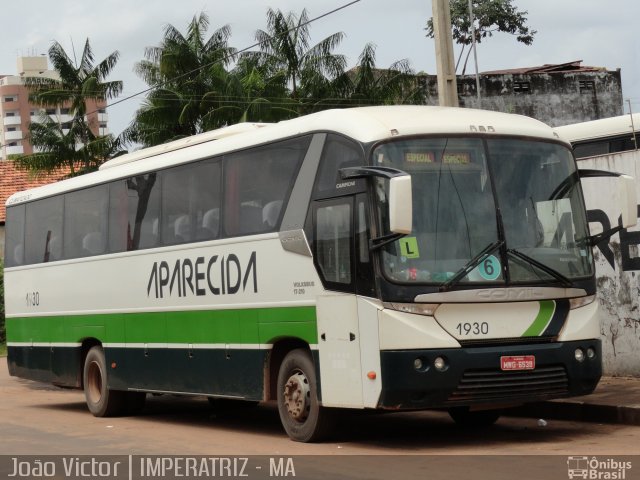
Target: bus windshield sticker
409 247
489 268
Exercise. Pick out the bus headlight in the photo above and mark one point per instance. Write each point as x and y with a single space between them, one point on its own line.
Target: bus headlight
581 301
579 354
440 364
417 308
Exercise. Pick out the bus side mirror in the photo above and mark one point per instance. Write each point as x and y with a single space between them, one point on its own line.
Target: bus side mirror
400 204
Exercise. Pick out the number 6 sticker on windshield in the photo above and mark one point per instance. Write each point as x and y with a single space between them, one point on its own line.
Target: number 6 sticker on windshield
489 268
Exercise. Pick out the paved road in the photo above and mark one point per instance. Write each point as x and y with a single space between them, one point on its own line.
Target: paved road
40 419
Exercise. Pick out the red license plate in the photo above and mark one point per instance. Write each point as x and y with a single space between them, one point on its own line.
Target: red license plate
521 362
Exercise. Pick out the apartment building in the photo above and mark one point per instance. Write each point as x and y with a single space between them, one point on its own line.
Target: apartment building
16 112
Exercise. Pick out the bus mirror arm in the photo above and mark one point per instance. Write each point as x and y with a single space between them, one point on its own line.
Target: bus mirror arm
379 242
364 172
595 240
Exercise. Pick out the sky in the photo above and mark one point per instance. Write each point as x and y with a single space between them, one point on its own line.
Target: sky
600 33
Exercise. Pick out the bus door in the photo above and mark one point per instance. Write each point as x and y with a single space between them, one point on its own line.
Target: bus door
344 315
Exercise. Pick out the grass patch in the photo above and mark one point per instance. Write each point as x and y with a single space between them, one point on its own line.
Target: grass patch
3 350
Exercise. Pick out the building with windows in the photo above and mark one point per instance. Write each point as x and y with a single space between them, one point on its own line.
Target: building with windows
17 112
556 94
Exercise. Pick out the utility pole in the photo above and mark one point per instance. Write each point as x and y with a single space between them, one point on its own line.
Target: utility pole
447 87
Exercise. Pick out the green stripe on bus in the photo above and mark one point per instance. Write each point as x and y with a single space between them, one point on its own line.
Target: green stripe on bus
238 326
547 308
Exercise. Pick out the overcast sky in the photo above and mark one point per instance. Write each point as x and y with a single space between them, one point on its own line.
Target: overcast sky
599 33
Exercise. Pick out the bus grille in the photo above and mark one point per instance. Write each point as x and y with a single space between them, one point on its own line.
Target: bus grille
482 386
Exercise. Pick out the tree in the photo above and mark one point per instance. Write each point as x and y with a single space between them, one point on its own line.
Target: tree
77 83
285 52
396 85
189 84
491 16
70 144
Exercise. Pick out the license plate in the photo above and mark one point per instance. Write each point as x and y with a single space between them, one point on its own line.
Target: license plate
521 362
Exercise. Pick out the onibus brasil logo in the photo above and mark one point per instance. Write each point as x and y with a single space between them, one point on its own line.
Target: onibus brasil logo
597 469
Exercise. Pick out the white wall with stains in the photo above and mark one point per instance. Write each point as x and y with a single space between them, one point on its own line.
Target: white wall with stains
617 265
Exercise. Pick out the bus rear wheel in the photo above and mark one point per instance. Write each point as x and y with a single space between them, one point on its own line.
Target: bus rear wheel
301 414
101 401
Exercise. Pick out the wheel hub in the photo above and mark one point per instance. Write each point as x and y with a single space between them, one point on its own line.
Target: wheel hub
297 396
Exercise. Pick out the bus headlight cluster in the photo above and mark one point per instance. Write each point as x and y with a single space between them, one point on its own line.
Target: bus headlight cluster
421 364
581 354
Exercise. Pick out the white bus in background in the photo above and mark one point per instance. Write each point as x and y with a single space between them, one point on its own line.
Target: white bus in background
393 258
602 137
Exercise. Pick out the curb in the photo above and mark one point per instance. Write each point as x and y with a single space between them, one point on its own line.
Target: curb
579 411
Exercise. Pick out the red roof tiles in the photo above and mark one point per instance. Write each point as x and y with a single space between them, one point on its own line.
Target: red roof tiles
13 180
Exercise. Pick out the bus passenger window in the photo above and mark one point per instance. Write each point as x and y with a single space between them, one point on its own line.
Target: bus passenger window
14 252
85 222
257 183
43 232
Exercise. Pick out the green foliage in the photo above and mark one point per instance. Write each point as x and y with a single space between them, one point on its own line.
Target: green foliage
491 16
71 144
190 84
194 88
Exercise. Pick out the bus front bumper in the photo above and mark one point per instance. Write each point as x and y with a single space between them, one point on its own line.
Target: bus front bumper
481 376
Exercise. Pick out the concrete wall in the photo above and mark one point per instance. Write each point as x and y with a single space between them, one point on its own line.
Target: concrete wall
557 99
617 266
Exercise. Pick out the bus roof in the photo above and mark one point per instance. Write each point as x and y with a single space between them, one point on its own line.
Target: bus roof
364 124
595 129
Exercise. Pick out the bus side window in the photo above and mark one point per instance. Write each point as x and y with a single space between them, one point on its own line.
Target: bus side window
85 222
14 245
333 243
142 203
43 232
258 183
338 152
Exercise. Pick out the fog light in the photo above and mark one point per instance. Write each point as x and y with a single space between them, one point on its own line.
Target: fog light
579 353
440 364
591 353
418 364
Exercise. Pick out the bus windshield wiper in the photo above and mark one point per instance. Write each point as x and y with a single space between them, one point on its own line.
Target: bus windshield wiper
545 268
470 265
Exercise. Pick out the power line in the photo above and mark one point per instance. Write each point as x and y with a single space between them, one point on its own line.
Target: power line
227 57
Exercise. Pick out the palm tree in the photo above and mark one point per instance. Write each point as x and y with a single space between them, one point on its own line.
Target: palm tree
189 80
56 147
76 83
260 95
395 85
285 51
77 86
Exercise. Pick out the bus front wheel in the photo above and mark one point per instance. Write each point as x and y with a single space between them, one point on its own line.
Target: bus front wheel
302 416
102 401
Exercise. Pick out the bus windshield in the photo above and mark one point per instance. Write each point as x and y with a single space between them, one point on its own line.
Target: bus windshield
517 200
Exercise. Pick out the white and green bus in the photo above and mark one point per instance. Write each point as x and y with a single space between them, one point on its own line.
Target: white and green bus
371 258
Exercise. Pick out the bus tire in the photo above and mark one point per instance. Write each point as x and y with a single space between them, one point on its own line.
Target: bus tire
101 401
465 417
301 414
